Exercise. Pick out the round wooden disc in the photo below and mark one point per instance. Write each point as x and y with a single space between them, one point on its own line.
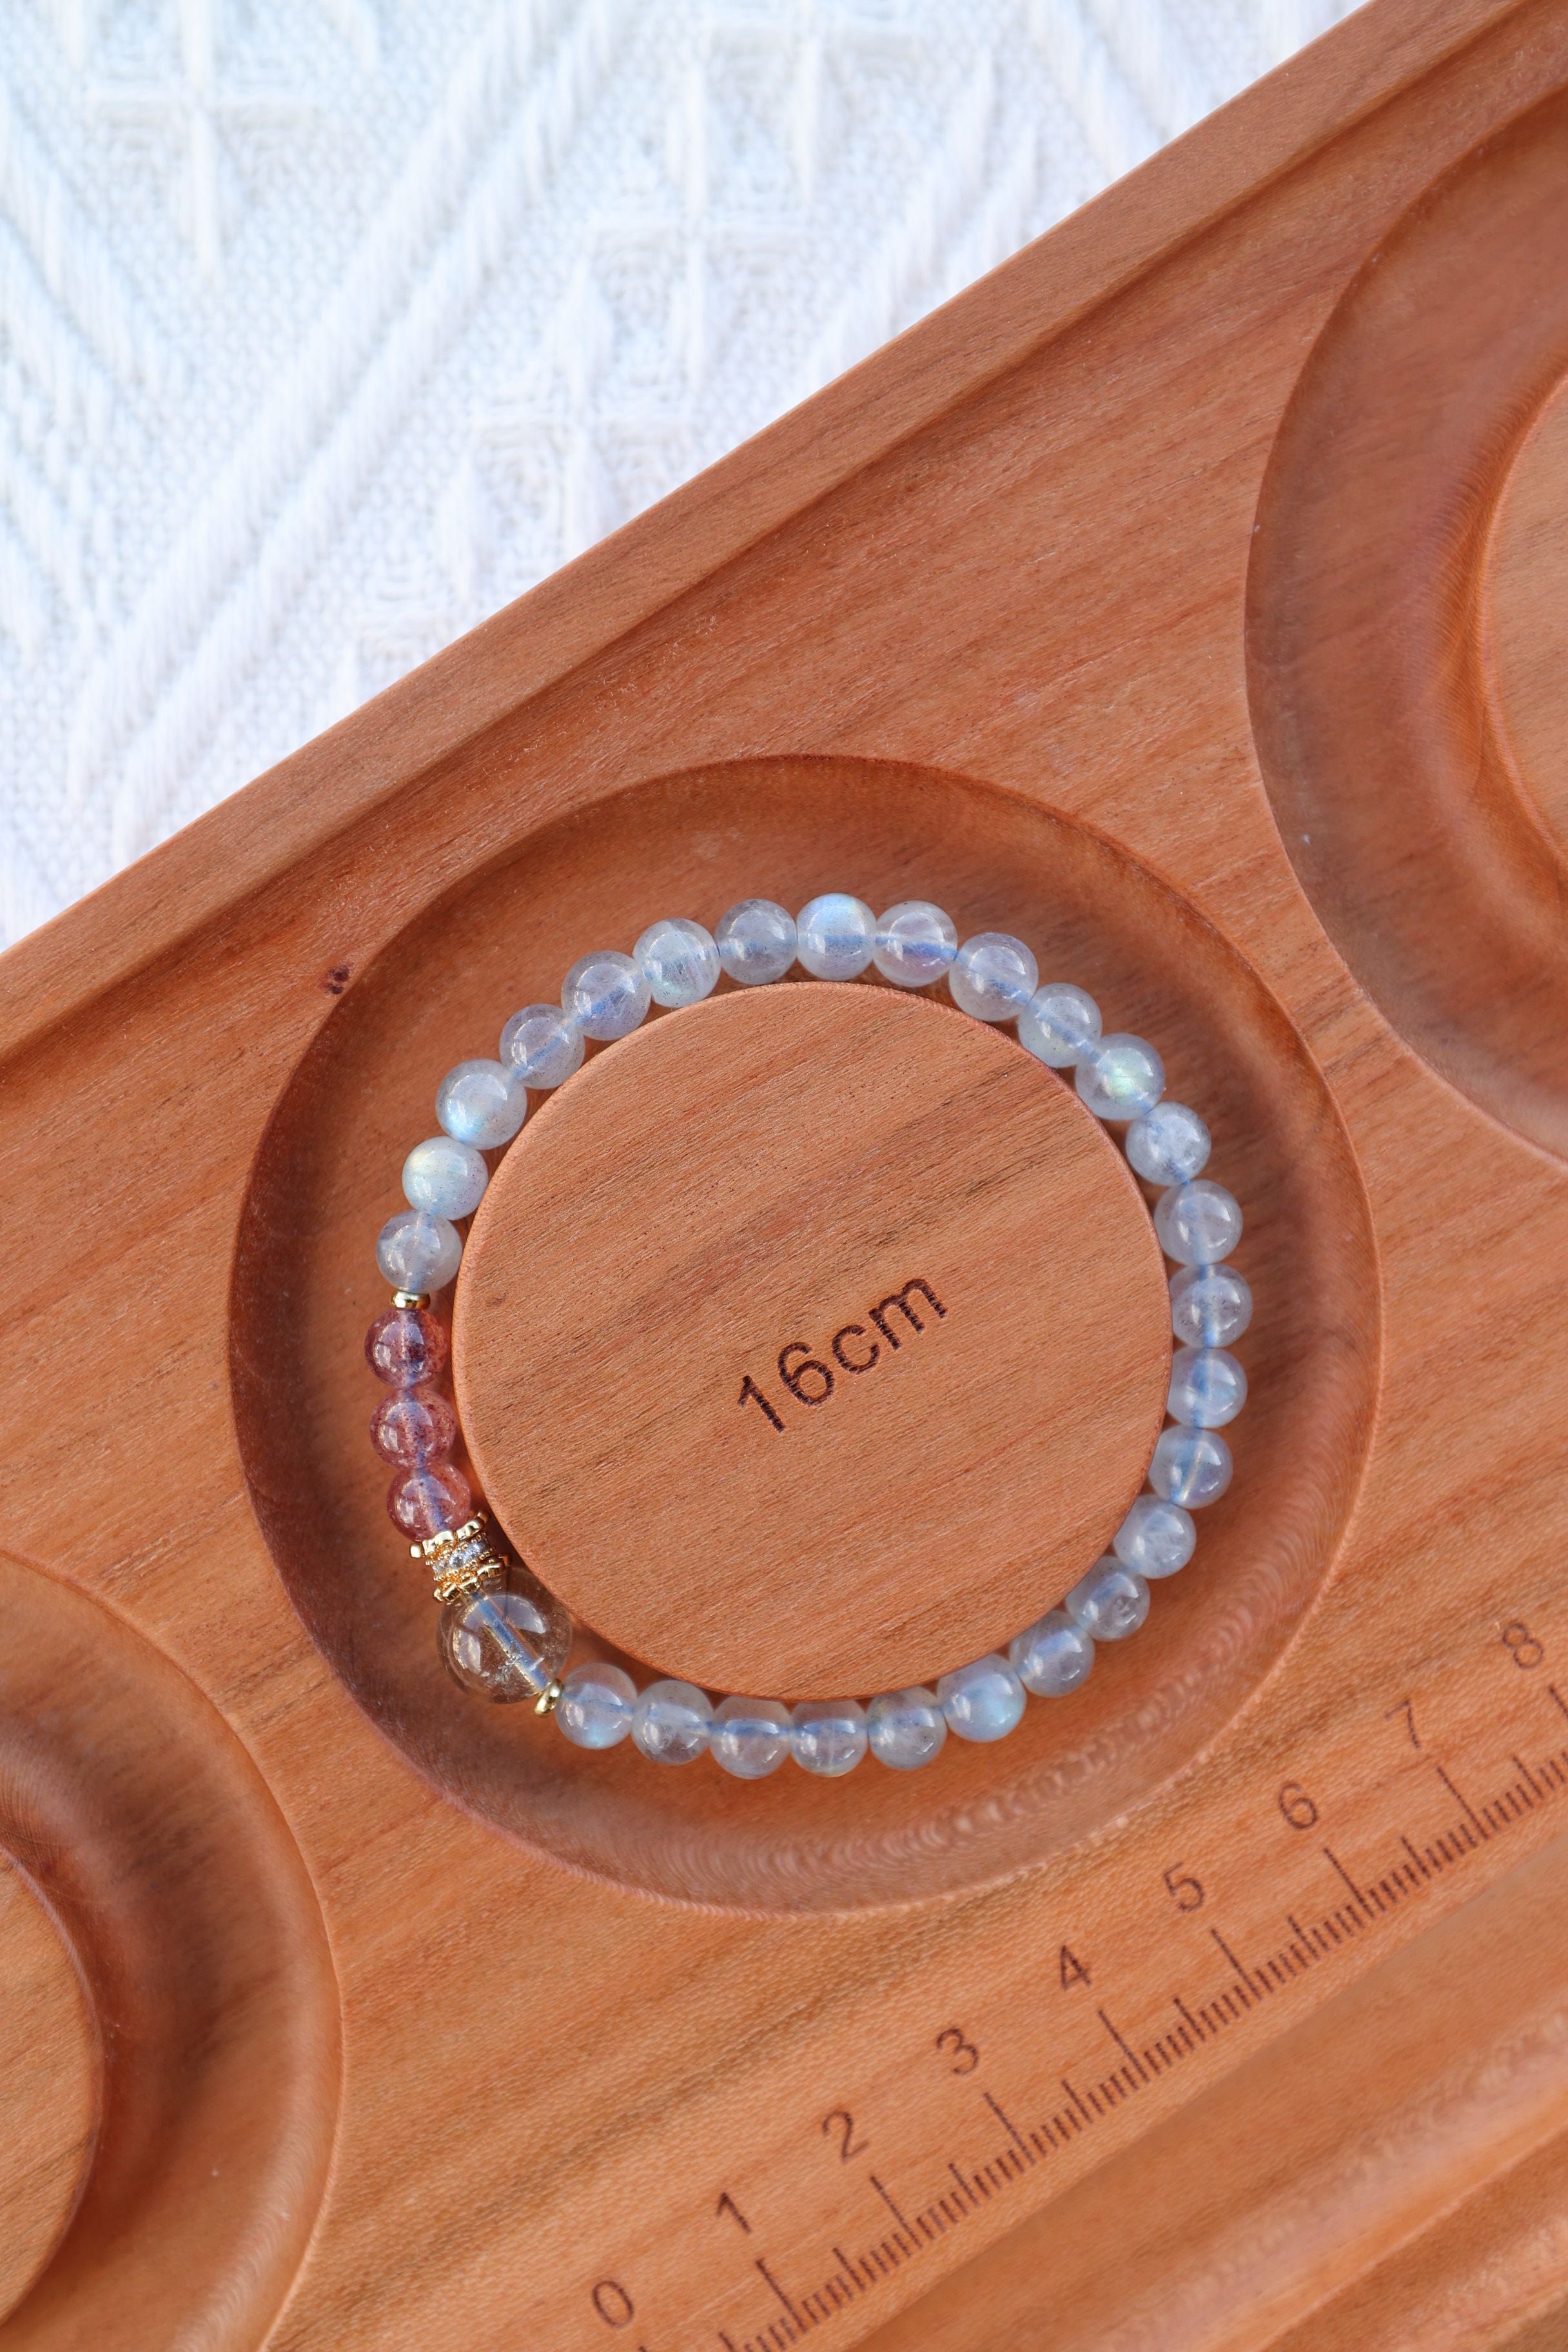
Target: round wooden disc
50 2065
813 1341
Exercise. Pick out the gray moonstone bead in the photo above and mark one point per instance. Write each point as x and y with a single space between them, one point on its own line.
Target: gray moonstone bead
417 1251
1168 1145
1052 1656
595 1710
671 1721
992 976
905 1728
827 1736
915 943
756 941
542 1046
983 1700
1156 1538
444 1177
606 993
1208 1387
678 960
1198 1223
1190 1466
836 936
751 1737
1059 1024
1110 1602
482 1103
1210 1306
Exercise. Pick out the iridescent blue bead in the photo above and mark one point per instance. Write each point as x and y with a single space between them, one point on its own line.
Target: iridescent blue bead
605 993
992 976
751 1737
915 943
678 960
1052 1656
1122 1078
1156 1538
827 1736
1191 1466
1168 1145
981 1701
596 1704
1210 1306
906 1728
836 936
1208 1387
1110 1602
756 941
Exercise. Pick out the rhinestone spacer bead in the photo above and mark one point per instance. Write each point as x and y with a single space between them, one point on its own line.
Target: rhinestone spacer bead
463 1560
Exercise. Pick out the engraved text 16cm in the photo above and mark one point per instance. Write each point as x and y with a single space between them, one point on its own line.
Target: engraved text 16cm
809 1378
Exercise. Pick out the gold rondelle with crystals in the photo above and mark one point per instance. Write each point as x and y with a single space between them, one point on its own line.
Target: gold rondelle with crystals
463 1560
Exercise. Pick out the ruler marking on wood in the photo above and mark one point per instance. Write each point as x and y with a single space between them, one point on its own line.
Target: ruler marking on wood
794 2314
1332 1858
1200 2022
1248 1993
1009 2127
888 2201
1463 1802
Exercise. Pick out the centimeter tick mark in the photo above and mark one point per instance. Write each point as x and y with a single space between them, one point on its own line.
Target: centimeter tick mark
1132 2066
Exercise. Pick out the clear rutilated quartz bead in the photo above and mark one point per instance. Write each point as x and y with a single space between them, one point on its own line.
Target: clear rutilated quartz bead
507 1641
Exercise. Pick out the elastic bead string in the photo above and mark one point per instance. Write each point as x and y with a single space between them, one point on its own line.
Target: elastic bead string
503 1635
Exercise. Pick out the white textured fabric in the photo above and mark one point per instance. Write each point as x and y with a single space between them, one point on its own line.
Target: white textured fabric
327 326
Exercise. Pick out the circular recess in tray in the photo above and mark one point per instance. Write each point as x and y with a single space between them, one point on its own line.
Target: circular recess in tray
170 2114
1405 631
306 1288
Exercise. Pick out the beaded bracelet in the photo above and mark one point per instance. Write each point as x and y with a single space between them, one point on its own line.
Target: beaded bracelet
503 1635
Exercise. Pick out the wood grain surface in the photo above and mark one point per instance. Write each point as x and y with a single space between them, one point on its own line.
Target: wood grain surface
1183 598
933 1267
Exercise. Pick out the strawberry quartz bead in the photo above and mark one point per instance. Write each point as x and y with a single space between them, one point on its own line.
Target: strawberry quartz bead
412 1428
430 1500
406 1346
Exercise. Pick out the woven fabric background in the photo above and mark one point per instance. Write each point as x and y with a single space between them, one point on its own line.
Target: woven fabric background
327 326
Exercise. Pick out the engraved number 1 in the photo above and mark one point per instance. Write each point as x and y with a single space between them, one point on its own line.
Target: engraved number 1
750 1389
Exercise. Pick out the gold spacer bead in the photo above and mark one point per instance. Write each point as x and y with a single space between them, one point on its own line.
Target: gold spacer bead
411 1299
548 1700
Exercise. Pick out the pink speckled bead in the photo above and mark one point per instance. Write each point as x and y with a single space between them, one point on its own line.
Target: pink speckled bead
406 1346
413 1427
426 1501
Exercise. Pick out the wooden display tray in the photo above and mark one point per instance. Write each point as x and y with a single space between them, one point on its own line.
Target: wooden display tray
1187 597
